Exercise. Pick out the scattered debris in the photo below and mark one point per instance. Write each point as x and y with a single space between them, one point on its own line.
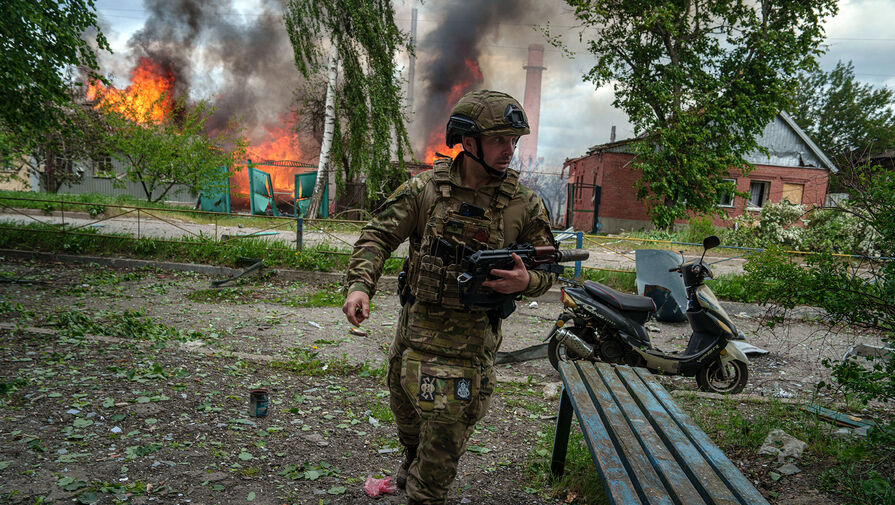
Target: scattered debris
654 329
533 305
375 487
357 331
551 390
317 439
838 418
315 325
868 351
789 469
782 445
782 393
842 432
254 265
749 349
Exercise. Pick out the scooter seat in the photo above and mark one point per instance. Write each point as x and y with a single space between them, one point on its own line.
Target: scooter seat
619 300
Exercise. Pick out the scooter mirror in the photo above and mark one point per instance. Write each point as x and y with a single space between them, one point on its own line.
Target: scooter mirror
710 242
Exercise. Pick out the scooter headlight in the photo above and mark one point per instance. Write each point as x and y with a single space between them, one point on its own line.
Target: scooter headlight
567 299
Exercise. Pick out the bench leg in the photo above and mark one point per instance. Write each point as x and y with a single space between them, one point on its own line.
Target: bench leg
561 437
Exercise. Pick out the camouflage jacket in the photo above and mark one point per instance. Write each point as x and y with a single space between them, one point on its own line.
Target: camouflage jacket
405 215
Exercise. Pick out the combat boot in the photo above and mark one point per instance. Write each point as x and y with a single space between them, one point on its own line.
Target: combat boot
409 456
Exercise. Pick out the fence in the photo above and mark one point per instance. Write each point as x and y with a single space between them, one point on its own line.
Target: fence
72 217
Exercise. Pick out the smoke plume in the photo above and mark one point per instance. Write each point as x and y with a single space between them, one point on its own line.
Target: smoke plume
246 60
449 54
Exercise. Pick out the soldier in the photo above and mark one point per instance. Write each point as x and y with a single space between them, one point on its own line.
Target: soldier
440 373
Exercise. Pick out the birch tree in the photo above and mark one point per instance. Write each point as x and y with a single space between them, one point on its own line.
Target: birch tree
368 133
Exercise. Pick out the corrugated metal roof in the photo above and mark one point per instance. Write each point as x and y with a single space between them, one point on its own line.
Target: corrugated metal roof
787 145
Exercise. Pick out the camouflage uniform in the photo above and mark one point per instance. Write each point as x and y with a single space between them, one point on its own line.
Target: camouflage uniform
441 373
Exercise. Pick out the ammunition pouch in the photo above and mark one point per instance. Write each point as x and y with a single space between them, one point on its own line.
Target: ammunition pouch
404 295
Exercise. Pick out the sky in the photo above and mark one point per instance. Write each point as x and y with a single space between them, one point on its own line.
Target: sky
574 114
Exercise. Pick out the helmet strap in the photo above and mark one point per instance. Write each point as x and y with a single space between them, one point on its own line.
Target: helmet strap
488 168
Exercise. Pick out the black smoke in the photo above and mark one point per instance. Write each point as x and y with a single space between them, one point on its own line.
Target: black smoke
464 31
242 62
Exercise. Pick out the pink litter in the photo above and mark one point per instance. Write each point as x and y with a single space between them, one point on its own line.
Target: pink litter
375 487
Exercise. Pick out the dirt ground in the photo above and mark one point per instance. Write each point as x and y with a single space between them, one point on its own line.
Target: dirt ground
106 419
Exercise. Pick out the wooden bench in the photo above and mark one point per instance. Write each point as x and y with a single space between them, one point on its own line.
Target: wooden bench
645 448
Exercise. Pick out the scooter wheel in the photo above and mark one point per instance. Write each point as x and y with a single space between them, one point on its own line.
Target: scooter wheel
557 352
709 377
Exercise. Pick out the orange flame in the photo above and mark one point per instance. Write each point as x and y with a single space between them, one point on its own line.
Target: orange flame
148 98
281 143
435 142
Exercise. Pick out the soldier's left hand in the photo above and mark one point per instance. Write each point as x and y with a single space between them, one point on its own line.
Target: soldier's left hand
510 281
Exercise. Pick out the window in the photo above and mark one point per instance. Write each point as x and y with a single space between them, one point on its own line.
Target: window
725 199
793 193
102 166
759 193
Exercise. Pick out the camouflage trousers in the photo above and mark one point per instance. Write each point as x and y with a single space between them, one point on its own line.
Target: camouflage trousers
441 434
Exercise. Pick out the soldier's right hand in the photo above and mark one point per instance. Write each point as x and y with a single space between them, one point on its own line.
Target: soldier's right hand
357 307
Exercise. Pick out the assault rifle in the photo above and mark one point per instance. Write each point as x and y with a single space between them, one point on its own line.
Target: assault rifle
478 265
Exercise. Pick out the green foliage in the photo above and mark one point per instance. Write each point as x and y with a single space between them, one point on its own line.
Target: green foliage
160 154
42 42
369 129
621 281
853 294
861 488
42 237
578 477
130 324
843 116
839 230
700 80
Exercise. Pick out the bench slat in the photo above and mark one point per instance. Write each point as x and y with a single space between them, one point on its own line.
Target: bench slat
650 445
620 489
690 462
624 440
735 480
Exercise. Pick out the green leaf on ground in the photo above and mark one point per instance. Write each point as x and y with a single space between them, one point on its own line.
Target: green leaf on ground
108 402
88 497
245 456
81 423
336 490
251 496
478 449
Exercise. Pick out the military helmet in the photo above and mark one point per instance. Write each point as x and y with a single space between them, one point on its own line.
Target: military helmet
486 112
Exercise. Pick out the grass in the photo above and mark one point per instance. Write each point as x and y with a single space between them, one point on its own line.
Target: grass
730 287
307 362
50 238
130 324
580 482
97 204
859 469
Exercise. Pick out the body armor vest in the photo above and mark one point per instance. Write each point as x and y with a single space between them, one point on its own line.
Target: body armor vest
451 228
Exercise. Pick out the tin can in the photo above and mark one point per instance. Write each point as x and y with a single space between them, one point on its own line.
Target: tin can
258 401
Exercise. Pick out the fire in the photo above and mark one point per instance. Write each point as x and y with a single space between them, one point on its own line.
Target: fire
148 98
281 143
435 142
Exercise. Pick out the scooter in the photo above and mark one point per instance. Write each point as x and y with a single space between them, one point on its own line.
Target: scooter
601 324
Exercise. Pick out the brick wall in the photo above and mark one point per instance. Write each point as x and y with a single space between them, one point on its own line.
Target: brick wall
619 208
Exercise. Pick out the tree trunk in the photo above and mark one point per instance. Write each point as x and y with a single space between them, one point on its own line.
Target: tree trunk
328 127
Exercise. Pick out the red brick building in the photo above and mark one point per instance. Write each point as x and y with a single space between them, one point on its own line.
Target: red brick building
602 197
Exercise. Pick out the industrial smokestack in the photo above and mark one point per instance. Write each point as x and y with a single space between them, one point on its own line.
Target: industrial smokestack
612 134
528 146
